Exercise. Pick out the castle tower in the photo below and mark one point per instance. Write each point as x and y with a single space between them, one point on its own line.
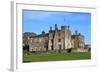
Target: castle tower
50 39
78 40
55 40
67 36
81 41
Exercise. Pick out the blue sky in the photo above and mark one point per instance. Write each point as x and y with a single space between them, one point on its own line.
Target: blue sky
38 21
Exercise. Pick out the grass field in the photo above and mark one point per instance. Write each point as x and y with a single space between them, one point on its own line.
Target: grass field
56 57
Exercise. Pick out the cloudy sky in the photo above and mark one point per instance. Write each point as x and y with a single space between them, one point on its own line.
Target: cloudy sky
38 21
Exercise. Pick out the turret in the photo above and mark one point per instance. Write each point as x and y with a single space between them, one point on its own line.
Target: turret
76 33
50 29
56 28
79 34
43 32
63 27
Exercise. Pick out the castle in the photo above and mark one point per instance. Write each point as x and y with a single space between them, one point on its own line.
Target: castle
56 40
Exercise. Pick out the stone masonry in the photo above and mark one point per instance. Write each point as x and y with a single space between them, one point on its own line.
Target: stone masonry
56 40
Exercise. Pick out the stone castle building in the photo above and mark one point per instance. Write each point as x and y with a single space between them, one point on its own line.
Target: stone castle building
56 40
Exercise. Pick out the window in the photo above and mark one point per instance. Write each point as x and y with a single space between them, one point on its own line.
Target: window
51 40
60 47
39 40
59 40
31 41
51 47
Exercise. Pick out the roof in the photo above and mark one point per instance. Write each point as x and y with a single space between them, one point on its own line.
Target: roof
40 35
73 36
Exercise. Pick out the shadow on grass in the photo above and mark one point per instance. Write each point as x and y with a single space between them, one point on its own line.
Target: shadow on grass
26 61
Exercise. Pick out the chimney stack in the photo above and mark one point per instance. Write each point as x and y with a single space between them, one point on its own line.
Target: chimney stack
76 32
56 28
50 28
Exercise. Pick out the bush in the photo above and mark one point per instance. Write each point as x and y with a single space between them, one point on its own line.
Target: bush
69 50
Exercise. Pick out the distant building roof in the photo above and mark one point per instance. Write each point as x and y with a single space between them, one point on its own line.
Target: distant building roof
41 35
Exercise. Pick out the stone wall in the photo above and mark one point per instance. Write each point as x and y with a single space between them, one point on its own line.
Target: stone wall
56 40
38 43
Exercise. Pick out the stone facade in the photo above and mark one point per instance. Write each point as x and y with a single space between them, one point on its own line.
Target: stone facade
26 36
39 42
56 40
78 40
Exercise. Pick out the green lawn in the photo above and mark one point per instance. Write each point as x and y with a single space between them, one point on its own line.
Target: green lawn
56 56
